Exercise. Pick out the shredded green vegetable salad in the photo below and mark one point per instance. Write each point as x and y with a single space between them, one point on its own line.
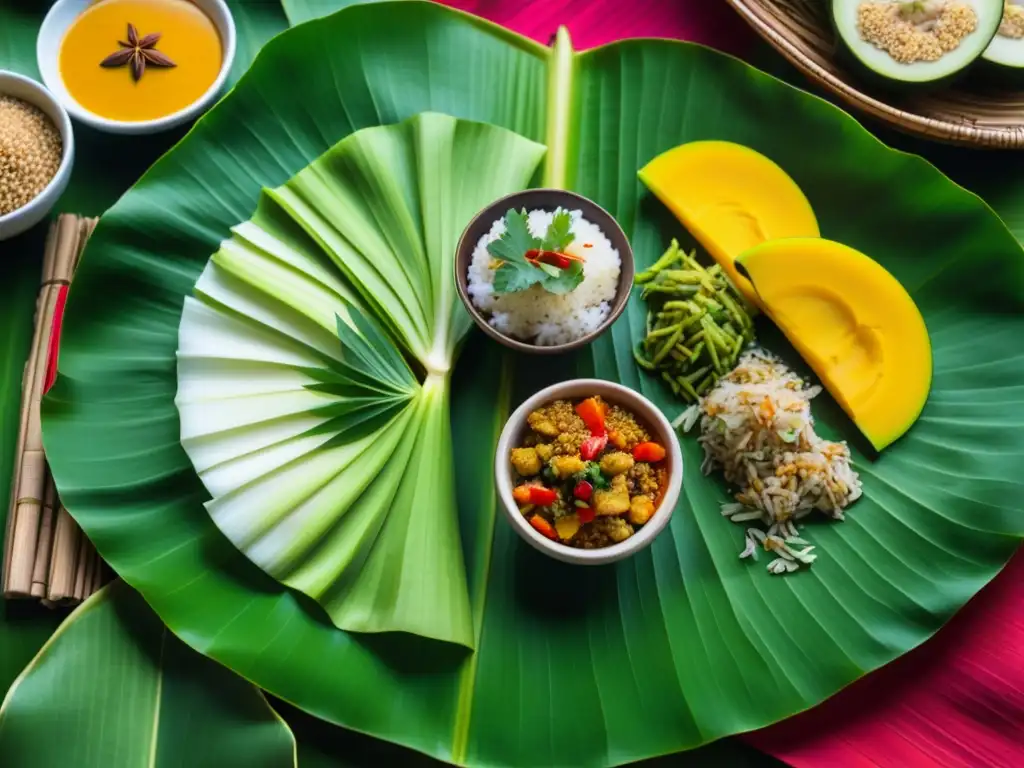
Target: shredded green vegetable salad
697 323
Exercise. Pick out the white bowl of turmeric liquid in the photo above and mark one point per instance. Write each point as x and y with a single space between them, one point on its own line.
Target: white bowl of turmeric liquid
136 66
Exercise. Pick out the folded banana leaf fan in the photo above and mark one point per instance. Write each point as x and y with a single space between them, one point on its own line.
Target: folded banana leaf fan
329 462
673 648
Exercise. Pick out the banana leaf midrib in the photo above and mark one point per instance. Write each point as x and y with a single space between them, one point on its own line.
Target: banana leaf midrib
559 101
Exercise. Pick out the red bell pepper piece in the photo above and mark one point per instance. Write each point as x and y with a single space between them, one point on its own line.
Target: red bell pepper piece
521 493
585 514
542 497
543 527
593 446
649 452
593 412
583 490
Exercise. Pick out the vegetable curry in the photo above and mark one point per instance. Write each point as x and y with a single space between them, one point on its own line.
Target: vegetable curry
587 474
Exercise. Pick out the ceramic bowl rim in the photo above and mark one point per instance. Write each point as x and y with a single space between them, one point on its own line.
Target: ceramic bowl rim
48 42
616 393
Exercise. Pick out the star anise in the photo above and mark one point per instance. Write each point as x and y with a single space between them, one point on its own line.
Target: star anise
138 52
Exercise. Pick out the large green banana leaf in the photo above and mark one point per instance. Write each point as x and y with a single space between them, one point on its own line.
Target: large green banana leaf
675 647
120 690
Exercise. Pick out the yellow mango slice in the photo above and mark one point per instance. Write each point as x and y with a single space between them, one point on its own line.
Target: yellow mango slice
853 323
730 198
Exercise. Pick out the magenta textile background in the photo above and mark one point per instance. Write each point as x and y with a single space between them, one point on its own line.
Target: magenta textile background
959 700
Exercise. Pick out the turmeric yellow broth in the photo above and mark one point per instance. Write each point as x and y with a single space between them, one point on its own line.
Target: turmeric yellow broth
188 39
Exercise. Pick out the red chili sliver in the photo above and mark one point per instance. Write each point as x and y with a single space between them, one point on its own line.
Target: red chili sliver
554 258
542 497
54 348
649 452
592 447
543 527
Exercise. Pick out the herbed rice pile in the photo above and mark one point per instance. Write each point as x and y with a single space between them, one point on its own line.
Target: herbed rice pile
535 314
756 426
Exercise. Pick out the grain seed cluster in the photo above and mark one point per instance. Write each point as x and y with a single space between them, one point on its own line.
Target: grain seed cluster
30 153
913 32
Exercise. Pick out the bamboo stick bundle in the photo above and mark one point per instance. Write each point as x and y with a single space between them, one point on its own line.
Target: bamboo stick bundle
63 559
83 559
45 554
30 463
44 543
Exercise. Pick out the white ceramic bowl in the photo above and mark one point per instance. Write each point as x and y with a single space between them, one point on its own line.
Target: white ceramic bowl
51 35
516 429
21 87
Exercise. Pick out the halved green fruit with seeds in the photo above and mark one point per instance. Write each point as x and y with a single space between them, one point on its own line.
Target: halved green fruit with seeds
921 42
1006 50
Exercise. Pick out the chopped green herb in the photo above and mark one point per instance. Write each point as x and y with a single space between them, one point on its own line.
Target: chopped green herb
592 474
517 272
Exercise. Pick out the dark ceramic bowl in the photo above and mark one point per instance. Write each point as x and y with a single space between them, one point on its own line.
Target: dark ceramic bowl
546 199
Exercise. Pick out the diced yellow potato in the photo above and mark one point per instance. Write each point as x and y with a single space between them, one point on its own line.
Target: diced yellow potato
566 466
544 450
526 461
611 501
540 423
616 529
616 463
567 526
641 509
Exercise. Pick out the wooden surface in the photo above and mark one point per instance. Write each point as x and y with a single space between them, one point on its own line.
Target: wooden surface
983 114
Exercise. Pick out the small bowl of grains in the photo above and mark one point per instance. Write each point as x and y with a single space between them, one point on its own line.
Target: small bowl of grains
36 152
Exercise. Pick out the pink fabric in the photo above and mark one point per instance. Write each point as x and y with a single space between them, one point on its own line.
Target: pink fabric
596 22
959 700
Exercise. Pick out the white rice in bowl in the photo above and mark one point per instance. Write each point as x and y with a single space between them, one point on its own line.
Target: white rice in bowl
543 318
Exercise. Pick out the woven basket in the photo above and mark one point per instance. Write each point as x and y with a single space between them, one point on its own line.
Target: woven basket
980 115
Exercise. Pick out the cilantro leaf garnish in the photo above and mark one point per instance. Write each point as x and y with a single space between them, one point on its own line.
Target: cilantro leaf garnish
512 278
517 273
565 280
558 236
512 246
